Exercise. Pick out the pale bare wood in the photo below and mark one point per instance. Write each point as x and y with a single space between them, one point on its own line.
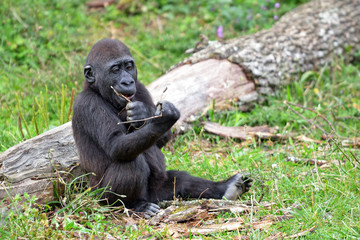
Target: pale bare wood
193 87
33 165
243 132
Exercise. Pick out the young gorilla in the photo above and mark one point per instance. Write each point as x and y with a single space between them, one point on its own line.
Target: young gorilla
127 157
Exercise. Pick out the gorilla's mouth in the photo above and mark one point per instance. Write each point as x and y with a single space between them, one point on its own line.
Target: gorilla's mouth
127 97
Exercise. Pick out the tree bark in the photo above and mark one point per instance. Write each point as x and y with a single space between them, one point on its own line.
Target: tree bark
36 164
243 69
304 39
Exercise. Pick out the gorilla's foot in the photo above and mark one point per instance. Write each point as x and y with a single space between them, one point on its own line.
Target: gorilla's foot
237 185
149 209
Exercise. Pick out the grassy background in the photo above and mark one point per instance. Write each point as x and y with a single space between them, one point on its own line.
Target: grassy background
43 45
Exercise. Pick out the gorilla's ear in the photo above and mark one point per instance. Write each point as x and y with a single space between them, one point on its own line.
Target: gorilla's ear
89 74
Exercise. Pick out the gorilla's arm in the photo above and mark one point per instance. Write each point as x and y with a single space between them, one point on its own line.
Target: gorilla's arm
145 110
139 110
164 139
100 123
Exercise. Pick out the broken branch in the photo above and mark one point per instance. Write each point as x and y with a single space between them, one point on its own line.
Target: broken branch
120 94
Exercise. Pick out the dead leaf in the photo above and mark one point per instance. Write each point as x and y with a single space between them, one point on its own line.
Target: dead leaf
357 106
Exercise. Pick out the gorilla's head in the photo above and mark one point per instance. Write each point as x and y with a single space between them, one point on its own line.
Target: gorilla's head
110 70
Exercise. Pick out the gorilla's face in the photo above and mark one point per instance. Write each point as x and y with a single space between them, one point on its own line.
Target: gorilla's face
111 71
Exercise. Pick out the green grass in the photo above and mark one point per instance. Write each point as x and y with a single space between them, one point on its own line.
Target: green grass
43 45
329 196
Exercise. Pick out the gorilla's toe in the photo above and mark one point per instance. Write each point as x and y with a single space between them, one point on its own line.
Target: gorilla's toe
237 185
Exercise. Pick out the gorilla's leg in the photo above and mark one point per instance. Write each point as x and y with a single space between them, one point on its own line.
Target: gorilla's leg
181 184
130 180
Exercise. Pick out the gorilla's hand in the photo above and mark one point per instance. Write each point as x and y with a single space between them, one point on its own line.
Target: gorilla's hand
169 115
137 111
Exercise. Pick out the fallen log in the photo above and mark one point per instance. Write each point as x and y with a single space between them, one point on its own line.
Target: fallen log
241 69
33 166
192 87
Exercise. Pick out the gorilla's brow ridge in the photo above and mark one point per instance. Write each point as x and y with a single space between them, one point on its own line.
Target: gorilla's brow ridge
118 61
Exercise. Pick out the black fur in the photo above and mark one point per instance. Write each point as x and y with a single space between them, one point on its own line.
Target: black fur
127 157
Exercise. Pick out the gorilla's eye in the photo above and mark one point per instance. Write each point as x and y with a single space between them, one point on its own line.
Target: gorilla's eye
115 69
129 67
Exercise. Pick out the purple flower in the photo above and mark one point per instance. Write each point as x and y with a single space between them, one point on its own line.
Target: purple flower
263 7
277 5
276 17
219 32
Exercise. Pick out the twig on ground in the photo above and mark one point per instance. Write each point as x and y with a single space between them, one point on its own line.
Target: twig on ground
328 135
347 118
314 111
308 120
303 233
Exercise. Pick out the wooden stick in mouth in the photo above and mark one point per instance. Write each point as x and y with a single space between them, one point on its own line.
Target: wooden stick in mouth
119 94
